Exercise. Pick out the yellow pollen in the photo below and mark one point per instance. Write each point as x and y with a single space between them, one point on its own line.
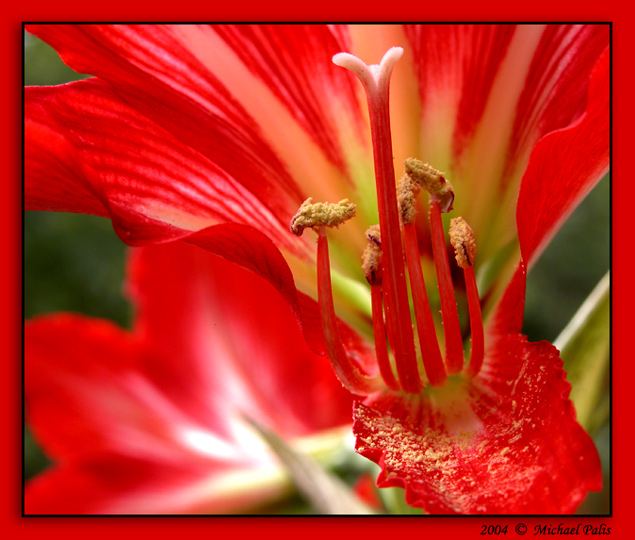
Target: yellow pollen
462 240
433 181
316 215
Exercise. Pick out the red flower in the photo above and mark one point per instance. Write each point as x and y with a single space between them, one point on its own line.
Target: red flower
185 127
151 421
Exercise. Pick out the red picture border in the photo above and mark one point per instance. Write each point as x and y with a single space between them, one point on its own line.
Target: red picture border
16 13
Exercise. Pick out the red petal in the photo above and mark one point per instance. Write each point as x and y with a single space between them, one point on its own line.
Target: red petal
459 62
51 179
104 155
564 166
556 87
508 315
73 403
295 62
151 70
228 336
504 442
203 69
110 484
545 70
251 249
263 113
91 388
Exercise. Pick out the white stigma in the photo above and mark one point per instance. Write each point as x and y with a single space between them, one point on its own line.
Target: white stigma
374 77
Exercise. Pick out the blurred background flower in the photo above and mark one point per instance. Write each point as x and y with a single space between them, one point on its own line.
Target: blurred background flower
76 263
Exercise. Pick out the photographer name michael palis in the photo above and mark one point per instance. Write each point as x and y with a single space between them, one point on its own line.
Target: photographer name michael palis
579 529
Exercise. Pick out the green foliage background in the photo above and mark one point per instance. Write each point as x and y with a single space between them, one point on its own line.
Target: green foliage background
76 263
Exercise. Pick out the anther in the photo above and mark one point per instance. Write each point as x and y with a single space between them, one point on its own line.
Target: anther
462 240
315 215
373 233
433 181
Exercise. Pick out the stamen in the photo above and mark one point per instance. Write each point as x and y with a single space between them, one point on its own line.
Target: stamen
428 343
318 216
441 199
462 239
373 272
375 80
348 374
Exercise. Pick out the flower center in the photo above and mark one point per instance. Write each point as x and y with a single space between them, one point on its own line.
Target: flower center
387 256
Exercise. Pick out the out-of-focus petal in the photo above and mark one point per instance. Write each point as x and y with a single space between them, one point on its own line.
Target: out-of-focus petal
504 442
81 377
152 421
112 484
92 388
249 248
230 338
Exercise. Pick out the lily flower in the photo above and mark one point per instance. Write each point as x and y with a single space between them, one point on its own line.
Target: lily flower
152 421
216 135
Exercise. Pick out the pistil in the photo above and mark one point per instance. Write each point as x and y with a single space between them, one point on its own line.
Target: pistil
375 80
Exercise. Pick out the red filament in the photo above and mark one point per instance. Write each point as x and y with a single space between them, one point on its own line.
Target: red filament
476 322
349 374
449 311
430 352
379 333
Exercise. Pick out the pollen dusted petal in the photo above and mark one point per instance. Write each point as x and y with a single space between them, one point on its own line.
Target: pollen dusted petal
504 442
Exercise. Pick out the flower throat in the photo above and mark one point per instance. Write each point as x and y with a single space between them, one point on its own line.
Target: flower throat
385 267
